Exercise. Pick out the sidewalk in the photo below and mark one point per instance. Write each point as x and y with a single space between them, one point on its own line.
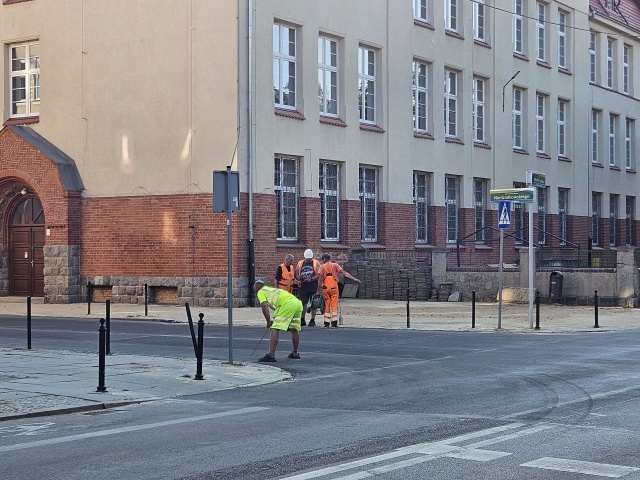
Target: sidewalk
39 382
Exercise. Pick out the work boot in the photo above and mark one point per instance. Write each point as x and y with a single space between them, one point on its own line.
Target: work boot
334 323
312 323
326 324
303 323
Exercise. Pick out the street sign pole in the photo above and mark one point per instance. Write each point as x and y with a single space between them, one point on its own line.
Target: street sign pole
500 274
230 267
531 271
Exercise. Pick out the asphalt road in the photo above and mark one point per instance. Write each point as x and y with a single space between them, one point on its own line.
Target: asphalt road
363 404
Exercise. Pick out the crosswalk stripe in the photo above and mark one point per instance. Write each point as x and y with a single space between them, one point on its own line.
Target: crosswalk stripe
576 466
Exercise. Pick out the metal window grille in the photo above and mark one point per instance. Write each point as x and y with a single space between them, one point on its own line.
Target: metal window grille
368 186
596 211
613 220
329 200
630 216
480 208
563 210
286 190
452 195
421 195
542 215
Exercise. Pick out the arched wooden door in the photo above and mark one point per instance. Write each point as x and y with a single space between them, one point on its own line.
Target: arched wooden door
26 248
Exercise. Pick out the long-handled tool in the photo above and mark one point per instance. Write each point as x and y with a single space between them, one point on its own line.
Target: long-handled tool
259 341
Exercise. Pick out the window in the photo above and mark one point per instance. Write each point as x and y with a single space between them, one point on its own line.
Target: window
480 208
284 65
542 32
479 20
328 76
285 186
562 128
613 219
542 215
627 79
563 215
540 123
517 118
450 103
562 39
25 80
610 59
367 84
369 203
478 110
518 25
519 218
421 196
630 207
596 213
613 121
329 200
629 147
592 57
451 15
452 196
595 147
420 10
420 97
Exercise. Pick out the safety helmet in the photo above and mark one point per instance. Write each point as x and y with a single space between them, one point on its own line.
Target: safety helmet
308 253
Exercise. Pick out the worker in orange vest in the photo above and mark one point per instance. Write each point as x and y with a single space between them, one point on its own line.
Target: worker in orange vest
307 277
286 274
328 286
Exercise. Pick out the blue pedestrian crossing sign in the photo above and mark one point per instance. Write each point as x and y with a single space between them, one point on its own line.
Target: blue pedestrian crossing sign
504 214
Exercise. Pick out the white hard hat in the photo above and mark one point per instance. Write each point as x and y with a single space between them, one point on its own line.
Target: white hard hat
308 253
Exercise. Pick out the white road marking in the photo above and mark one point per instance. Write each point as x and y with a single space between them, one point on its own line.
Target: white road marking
133 428
25 430
576 466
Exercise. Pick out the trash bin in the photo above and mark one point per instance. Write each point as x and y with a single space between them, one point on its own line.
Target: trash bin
555 287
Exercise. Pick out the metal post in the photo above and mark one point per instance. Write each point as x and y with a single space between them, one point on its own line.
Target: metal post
230 267
473 309
101 356
500 275
595 304
28 323
200 348
146 300
537 310
408 320
89 292
108 324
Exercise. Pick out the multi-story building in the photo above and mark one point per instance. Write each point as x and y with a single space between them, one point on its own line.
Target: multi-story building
379 124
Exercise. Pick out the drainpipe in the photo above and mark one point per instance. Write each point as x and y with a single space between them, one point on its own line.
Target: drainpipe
250 158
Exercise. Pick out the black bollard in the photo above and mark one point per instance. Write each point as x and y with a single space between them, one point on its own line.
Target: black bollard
473 309
108 324
193 334
537 310
199 375
408 320
28 323
101 356
146 300
595 304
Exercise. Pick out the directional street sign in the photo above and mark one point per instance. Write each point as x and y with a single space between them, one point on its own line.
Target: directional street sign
521 195
504 214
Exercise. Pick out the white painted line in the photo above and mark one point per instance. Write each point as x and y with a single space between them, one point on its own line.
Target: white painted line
117 431
576 466
478 455
510 436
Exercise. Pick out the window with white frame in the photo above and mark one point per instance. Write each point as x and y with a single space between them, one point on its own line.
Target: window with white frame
329 189
541 32
25 79
613 127
367 84
627 78
540 123
284 65
328 75
629 146
518 99
518 27
478 110
450 103
610 62
368 186
595 144
562 39
451 200
451 15
563 215
630 217
596 213
420 96
613 219
542 215
562 127
420 10
285 186
479 20
421 199
592 57
480 208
